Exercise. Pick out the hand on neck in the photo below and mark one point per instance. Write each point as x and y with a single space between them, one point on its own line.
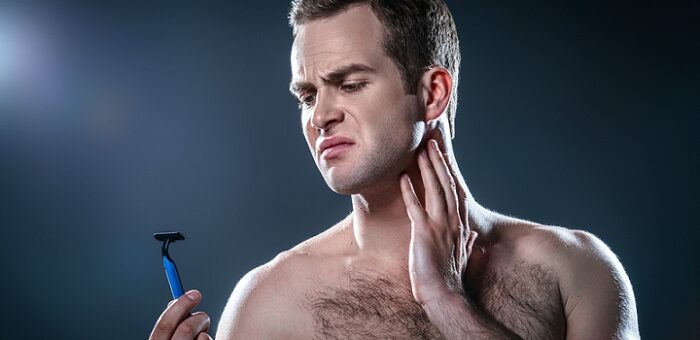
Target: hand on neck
381 226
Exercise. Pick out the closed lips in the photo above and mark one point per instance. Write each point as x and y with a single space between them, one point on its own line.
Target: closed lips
333 141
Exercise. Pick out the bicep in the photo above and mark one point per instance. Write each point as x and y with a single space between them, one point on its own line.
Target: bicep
598 297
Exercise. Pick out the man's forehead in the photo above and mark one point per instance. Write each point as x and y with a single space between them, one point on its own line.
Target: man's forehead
352 36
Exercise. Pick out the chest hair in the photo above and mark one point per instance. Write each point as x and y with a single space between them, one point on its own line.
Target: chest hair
371 307
524 298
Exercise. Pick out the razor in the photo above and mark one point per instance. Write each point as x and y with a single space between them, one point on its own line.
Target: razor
170 269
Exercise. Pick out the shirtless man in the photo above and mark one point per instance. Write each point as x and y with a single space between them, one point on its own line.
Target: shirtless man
418 257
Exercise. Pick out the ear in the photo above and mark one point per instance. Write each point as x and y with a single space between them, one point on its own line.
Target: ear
435 87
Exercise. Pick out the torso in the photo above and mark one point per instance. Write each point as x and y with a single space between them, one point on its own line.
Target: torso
338 297
369 307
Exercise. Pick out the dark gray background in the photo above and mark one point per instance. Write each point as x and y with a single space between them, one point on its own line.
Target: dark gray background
124 119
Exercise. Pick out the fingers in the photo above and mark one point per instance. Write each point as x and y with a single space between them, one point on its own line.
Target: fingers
470 245
176 312
413 206
434 191
441 199
460 252
469 238
204 336
193 326
449 188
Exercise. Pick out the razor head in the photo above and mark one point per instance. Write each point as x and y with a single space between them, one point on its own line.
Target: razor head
171 236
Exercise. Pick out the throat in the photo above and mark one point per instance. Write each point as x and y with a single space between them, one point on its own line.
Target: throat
384 236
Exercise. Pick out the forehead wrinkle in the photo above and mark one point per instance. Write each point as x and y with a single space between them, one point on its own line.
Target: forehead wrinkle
323 46
333 77
307 61
331 63
322 56
322 62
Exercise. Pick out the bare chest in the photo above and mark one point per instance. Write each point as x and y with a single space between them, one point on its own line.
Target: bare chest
524 299
370 307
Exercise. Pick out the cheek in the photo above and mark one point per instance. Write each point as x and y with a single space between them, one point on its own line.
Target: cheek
393 131
308 131
399 119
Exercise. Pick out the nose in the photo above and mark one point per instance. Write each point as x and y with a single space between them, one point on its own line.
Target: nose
326 112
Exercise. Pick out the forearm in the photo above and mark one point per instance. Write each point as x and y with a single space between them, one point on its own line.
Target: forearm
457 318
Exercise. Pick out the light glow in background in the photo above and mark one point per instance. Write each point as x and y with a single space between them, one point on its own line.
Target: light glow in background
121 119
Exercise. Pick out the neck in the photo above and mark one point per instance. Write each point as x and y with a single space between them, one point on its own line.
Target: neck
380 223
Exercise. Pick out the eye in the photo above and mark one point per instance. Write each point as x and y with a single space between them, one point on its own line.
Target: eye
307 100
352 87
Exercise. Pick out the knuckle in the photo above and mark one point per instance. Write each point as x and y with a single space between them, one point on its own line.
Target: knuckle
176 306
203 336
415 201
163 326
186 329
205 320
193 325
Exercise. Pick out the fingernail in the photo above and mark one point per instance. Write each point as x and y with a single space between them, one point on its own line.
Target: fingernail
193 295
434 144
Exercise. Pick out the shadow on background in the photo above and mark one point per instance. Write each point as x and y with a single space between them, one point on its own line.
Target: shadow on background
120 120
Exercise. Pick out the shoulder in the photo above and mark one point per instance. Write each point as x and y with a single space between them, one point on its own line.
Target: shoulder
594 287
558 246
574 254
262 299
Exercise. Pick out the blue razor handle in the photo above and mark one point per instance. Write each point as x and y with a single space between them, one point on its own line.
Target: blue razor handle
171 272
173 277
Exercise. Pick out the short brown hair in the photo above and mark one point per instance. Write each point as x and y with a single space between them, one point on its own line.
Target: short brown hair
419 34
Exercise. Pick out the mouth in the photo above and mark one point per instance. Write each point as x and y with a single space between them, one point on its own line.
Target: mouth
335 150
333 147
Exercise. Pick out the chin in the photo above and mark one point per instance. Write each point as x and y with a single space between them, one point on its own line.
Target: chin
355 175
345 191
350 183
341 183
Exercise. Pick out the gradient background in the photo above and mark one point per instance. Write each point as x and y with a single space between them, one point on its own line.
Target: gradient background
120 120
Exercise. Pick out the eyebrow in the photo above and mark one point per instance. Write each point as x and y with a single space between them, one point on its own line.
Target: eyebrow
335 77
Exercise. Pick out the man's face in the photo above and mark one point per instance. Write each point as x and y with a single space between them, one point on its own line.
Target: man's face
351 91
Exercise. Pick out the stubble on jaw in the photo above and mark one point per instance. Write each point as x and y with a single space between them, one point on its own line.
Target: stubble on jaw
381 164
370 171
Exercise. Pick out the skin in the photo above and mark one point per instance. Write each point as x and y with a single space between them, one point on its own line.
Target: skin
176 322
414 219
